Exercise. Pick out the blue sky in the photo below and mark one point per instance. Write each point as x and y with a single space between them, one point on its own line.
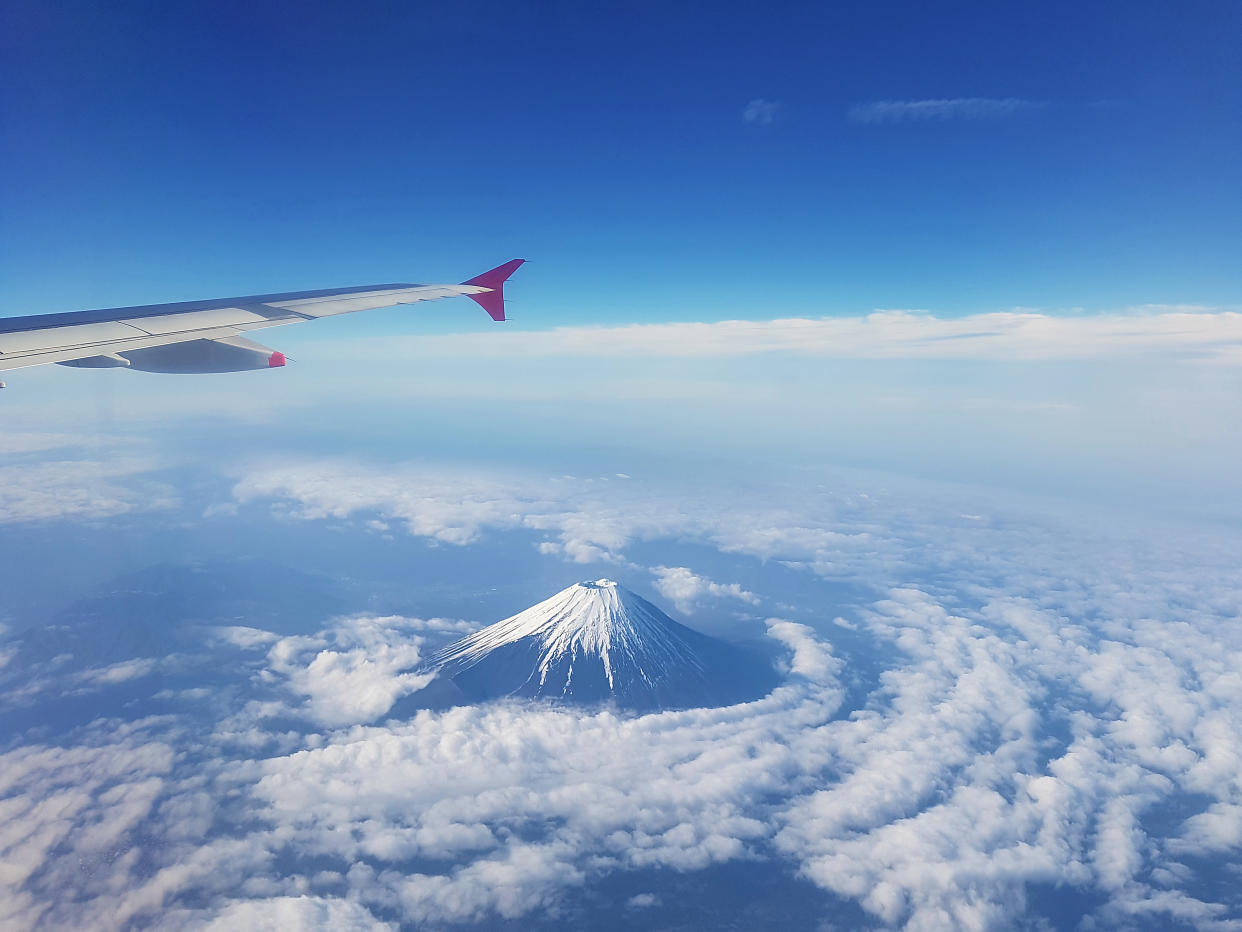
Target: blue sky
155 152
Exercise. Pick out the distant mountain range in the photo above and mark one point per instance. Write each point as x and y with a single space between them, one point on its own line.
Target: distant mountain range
598 642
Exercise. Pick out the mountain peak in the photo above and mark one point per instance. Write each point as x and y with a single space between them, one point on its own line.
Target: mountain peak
588 619
594 641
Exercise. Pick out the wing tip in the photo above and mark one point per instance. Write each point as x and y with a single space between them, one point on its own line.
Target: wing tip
493 301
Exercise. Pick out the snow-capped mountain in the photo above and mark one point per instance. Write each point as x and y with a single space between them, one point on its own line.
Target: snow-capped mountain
595 642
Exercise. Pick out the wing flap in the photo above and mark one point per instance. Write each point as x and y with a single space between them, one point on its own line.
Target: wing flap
39 357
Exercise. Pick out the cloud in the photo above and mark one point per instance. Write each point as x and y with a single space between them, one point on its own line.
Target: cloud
353 671
51 477
584 520
79 490
642 901
1053 706
71 805
14 443
1188 333
522 796
685 588
296 914
761 112
811 658
939 109
518 796
950 796
117 672
434 505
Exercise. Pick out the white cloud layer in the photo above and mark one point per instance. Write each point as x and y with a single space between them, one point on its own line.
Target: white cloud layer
1191 333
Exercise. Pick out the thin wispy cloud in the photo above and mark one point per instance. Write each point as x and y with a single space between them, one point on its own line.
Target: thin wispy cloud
79 478
580 520
762 112
940 109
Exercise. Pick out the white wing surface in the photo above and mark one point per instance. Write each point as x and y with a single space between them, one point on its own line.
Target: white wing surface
206 336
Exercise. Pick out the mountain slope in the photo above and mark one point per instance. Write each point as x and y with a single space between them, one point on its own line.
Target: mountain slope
597 642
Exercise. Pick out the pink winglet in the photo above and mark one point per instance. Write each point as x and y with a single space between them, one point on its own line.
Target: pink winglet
276 360
494 301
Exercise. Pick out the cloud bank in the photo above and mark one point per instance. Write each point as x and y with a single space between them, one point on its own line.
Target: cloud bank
1193 334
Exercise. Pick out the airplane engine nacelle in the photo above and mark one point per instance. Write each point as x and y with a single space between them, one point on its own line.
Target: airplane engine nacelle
227 354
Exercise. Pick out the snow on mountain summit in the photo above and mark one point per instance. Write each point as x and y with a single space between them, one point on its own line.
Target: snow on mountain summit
598 641
598 619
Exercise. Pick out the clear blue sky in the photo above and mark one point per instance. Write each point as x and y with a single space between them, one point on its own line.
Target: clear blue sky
159 151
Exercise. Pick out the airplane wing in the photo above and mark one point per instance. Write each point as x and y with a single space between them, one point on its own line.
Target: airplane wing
207 336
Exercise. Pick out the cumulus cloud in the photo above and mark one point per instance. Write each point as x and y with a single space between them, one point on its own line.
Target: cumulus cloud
811 656
354 671
938 109
685 588
1190 333
522 797
67 806
762 112
519 796
296 914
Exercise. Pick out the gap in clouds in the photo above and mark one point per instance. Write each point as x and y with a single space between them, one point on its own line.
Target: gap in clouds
747 894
